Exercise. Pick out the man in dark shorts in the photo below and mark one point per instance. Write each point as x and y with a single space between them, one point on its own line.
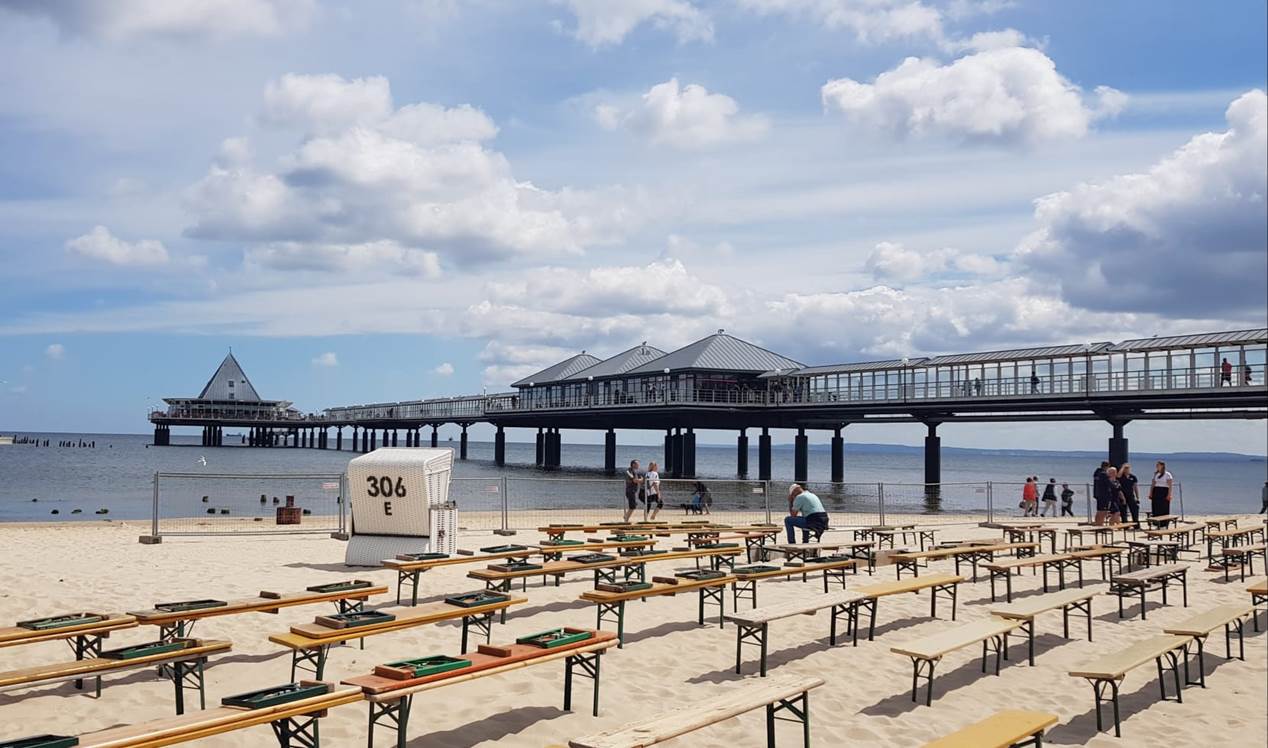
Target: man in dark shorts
1101 492
633 479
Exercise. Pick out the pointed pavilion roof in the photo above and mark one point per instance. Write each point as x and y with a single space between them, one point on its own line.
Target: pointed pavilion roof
621 362
560 371
719 352
218 387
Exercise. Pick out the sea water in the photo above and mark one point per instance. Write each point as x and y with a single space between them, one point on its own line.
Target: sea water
117 473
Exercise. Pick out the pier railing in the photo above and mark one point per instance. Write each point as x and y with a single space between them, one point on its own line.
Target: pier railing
203 504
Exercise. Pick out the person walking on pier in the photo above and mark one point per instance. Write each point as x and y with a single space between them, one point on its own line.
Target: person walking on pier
651 489
633 479
1034 382
805 510
1160 491
1131 494
1226 373
1050 497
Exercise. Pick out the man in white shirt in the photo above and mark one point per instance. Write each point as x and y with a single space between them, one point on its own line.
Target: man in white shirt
651 487
805 510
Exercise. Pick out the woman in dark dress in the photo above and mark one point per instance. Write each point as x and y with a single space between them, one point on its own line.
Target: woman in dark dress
1160 491
1131 494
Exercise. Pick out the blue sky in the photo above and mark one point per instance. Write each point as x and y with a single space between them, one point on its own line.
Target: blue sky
449 194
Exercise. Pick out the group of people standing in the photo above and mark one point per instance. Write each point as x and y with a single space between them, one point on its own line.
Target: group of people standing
1030 498
1117 492
644 485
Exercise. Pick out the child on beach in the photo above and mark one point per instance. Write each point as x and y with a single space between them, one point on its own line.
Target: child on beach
1067 500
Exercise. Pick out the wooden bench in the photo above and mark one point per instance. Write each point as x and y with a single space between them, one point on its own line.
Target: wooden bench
391 700
1137 583
310 643
745 585
1109 556
1106 673
925 653
753 627
180 623
293 721
1067 600
1232 538
1101 534
611 605
1154 550
925 536
1007 729
778 695
1258 596
1162 520
632 567
972 553
1005 569
1230 617
1241 557
85 639
1184 534
1224 523
1032 533
185 667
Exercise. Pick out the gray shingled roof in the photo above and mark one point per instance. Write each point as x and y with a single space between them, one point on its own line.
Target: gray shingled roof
1199 340
230 383
719 352
620 363
560 371
1017 354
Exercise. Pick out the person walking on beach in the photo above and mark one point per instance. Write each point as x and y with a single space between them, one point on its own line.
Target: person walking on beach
1116 499
1100 492
1030 498
1160 491
1131 494
805 510
701 499
1067 500
1226 373
1050 497
651 488
1264 499
633 480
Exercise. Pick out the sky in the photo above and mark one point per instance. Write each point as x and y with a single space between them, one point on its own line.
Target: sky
386 201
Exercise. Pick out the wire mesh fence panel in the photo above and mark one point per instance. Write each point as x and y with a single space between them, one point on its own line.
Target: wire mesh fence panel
847 504
1008 503
480 502
210 504
537 502
728 501
936 503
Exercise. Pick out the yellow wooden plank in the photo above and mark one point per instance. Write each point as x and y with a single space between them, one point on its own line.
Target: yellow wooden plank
1116 664
1000 730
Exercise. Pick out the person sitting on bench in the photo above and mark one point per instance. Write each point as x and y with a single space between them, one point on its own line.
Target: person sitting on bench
701 499
805 510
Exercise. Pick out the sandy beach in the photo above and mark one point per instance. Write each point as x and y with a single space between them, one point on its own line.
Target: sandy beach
668 659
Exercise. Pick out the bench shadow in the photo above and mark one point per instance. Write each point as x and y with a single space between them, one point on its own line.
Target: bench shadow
751 664
494 728
330 567
668 627
1131 611
946 682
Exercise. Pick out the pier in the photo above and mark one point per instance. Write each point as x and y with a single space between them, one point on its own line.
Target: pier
724 383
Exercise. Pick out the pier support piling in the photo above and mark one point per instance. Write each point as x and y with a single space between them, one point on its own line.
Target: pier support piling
741 454
801 457
678 444
435 435
499 447
609 452
339 439
933 454
668 467
394 436
541 449
689 453
374 440
1118 453
838 457
462 443
763 455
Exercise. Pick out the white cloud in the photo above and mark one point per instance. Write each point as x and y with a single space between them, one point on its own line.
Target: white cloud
100 244
661 287
123 20
371 258
1000 94
417 176
687 117
892 261
55 351
1186 238
326 360
444 370
870 20
603 22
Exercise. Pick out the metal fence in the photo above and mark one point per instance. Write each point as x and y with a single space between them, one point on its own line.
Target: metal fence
203 504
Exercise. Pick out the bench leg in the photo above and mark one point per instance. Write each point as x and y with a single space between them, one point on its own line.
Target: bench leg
1099 687
188 675
1200 643
315 658
745 590
297 731
799 706
481 624
618 609
1173 665
754 634
921 668
711 596
392 715
588 667
412 577
86 645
